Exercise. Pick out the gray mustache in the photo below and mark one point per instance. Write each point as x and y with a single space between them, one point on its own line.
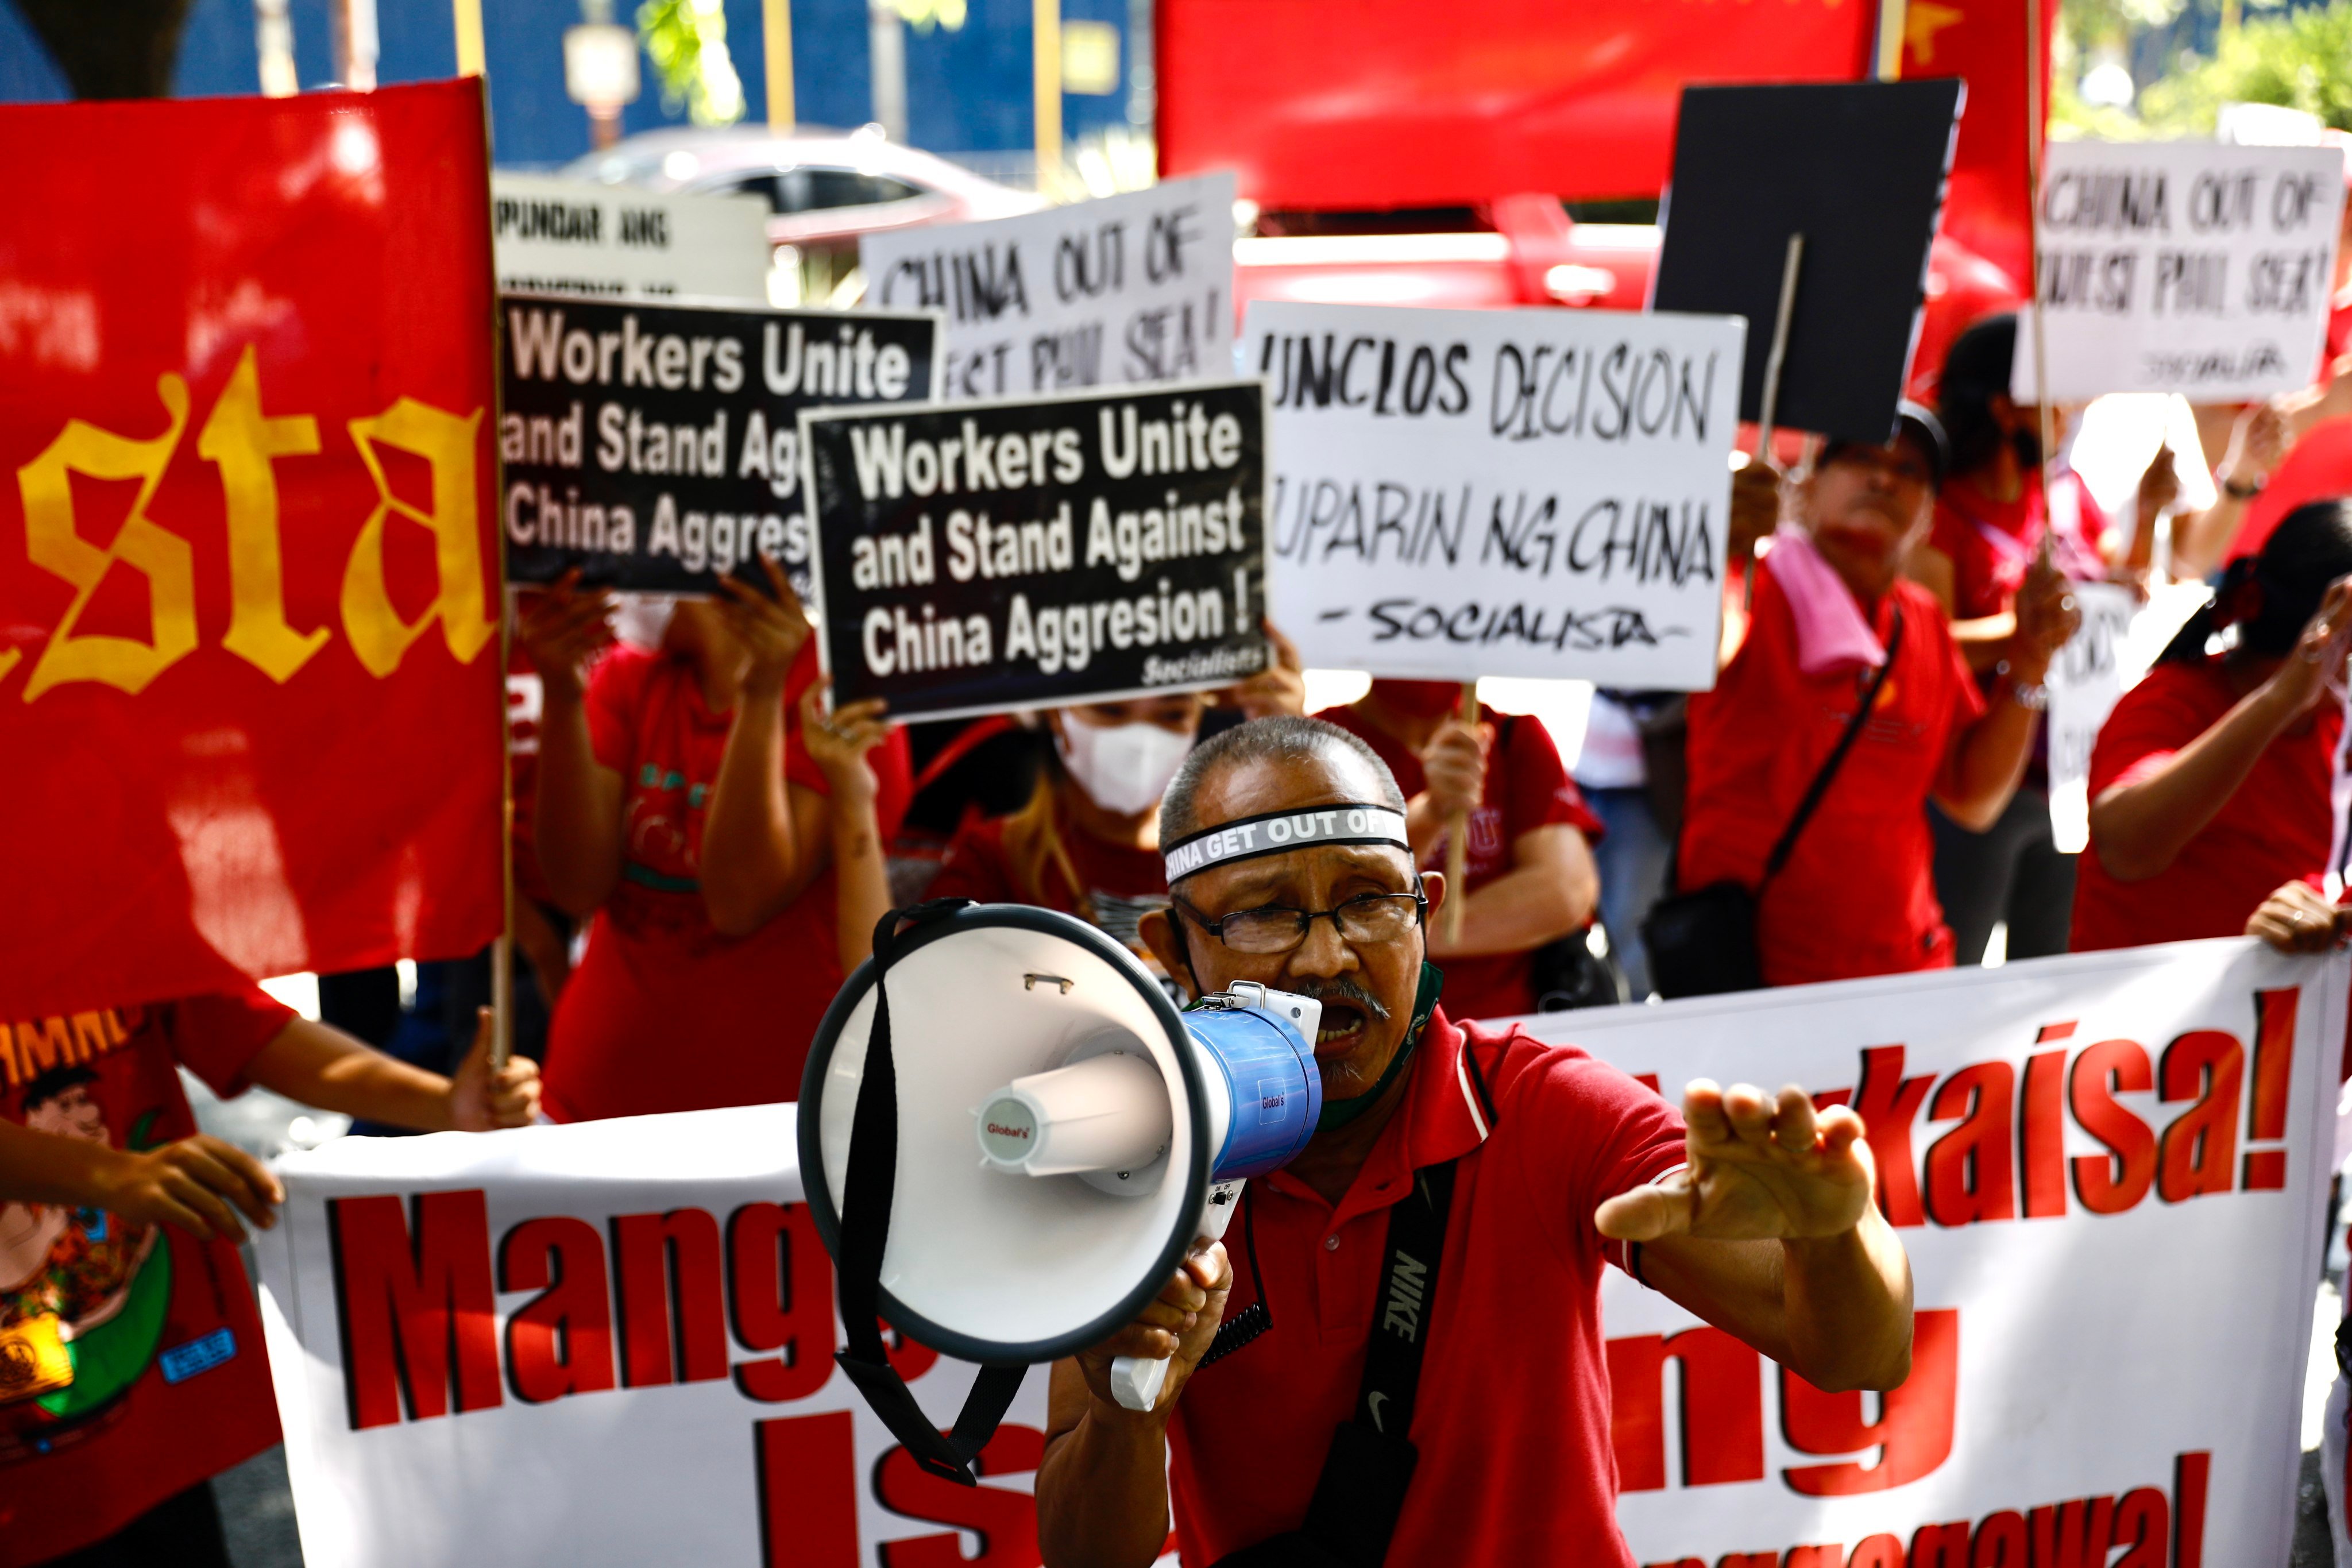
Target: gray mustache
1344 990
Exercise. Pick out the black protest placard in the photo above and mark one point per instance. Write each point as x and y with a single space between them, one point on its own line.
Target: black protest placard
1858 168
657 447
982 556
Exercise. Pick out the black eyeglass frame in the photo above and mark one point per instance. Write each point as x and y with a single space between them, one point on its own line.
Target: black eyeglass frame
1215 928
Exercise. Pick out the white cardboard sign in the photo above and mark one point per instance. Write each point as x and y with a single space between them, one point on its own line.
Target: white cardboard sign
1463 493
2085 683
1123 292
615 242
2186 267
610 1343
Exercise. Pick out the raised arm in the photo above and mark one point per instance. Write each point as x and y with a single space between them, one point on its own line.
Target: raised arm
2139 828
838 745
1769 1234
323 1066
1988 757
576 810
764 840
1549 892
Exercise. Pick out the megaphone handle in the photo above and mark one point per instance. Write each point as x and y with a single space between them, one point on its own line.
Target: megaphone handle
1136 1381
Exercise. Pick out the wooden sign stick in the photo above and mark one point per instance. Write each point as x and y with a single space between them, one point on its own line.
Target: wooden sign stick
1457 839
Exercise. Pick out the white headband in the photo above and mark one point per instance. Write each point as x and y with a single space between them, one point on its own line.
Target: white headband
1278 832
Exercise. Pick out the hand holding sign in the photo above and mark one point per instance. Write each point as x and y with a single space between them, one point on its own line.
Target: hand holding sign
771 625
2047 616
1760 1168
563 630
838 743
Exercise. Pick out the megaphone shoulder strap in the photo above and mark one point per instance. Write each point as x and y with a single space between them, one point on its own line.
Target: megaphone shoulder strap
866 1231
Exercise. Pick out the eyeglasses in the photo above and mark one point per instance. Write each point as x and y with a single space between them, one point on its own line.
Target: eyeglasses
1363 921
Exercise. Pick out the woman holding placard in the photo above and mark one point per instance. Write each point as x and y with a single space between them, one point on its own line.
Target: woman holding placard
1086 842
2210 780
731 857
1992 522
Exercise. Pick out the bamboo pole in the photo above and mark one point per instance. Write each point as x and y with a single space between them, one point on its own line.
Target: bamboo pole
472 58
776 38
1457 839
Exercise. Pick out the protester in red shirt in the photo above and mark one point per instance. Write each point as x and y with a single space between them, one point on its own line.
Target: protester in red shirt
2210 782
1550 1162
1992 522
131 1368
1855 896
676 808
1530 877
1088 841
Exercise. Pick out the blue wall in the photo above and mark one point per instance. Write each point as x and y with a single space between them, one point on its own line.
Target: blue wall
967 90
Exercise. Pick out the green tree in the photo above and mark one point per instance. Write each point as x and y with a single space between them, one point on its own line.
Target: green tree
687 41
2302 60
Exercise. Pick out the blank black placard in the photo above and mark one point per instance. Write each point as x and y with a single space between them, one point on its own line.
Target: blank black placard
1859 169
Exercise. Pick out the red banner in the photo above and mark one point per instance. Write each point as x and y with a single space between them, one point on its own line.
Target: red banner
1983 42
249 685
1337 104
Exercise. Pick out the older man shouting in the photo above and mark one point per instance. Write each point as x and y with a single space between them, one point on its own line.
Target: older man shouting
1406 1366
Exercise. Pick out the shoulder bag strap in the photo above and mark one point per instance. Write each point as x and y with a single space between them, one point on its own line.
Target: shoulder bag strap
872 1180
1836 759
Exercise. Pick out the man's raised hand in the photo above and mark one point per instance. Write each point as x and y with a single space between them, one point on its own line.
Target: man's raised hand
1761 1168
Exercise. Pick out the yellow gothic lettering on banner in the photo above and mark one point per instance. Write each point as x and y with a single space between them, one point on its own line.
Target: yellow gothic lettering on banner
379 636
241 441
165 559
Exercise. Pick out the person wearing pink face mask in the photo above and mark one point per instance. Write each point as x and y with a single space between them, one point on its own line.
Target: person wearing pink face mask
1531 877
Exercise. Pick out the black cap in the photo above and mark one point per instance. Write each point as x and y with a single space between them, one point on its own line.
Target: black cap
1917 421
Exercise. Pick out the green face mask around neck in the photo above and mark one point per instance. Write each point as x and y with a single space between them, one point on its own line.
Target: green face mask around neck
1340 1112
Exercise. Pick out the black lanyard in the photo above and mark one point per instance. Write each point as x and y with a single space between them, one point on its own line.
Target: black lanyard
1371 1464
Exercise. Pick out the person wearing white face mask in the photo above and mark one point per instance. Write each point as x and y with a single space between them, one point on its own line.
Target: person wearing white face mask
1088 841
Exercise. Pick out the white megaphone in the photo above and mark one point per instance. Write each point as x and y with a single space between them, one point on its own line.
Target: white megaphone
1048 1139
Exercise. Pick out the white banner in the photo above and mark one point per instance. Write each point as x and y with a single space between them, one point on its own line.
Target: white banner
1129 289
610 1343
1463 493
2085 683
2109 1170
2186 267
616 242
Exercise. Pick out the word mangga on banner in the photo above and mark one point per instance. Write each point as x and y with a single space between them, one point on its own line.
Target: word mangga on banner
655 447
1461 494
2108 1170
974 557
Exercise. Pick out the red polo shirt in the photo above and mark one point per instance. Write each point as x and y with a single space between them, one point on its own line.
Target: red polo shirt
1857 896
1512 1417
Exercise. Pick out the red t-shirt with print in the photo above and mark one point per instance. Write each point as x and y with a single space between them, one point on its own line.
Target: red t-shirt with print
1991 543
664 1013
130 1357
1512 1418
1857 896
2274 829
1121 883
1526 788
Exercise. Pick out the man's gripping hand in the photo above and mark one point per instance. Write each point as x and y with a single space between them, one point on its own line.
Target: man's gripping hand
1760 1169
1180 1323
